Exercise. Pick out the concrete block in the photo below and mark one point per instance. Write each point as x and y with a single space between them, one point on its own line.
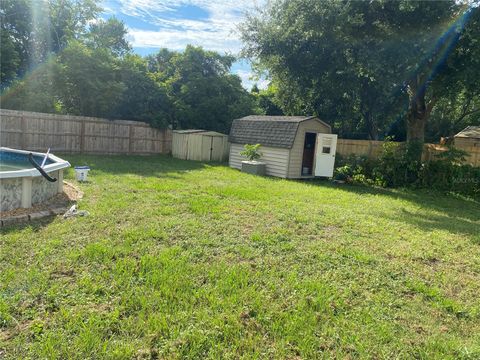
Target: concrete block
254 167
11 220
39 215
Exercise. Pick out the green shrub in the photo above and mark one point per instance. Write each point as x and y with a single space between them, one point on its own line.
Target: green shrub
343 173
447 173
453 156
351 165
398 166
462 179
360 178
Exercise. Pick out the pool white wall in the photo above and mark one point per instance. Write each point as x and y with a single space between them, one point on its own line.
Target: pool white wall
26 187
23 192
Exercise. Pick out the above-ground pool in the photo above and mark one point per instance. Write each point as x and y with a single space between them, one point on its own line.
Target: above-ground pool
21 185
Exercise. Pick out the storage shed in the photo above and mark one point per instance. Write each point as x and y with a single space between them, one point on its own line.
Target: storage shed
199 145
468 137
292 146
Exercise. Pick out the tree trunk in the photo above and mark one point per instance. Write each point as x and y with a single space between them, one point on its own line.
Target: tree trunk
415 127
417 116
371 126
417 112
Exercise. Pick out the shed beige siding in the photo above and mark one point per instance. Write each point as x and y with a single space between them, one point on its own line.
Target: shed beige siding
200 145
221 148
179 145
276 159
465 142
296 152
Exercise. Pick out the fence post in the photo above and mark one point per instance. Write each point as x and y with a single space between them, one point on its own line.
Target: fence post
82 136
23 124
130 139
162 141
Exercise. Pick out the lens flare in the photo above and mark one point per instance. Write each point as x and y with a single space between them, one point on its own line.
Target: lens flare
432 63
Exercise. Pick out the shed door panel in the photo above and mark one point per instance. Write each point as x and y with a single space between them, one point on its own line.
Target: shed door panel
325 154
217 148
194 147
206 148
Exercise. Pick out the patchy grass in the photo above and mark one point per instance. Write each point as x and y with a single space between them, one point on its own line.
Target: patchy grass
187 260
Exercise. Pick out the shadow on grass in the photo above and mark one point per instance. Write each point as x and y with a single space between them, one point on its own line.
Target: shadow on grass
452 213
432 222
34 225
144 166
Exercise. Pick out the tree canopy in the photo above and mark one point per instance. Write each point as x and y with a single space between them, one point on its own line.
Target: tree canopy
201 88
32 30
72 61
362 66
407 69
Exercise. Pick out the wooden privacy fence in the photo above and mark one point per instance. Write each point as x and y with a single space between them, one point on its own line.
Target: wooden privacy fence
369 148
80 134
372 149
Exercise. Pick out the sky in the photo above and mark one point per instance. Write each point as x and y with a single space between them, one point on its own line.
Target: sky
172 24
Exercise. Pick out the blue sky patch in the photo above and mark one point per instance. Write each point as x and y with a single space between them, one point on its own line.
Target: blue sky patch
135 22
188 12
173 24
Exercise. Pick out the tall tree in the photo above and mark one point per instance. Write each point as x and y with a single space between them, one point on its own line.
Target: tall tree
266 100
89 81
456 88
109 34
144 98
204 93
33 30
365 61
15 19
437 28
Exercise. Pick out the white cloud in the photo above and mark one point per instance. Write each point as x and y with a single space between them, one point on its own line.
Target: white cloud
217 32
177 40
249 79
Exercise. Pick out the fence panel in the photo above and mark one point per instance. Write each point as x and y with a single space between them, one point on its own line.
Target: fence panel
80 134
372 149
367 148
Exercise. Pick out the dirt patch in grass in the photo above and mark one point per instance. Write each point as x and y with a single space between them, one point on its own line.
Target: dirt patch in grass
7 334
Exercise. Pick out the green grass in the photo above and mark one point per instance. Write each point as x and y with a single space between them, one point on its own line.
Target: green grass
187 260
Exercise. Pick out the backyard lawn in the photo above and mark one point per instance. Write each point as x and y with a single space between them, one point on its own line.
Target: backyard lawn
187 260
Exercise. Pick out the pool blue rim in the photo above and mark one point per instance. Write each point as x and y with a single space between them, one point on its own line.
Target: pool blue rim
57 164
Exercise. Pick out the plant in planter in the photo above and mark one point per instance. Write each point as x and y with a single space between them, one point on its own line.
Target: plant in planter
252 165
251 152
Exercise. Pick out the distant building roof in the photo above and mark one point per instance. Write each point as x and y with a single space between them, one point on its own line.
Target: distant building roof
274 131
470 132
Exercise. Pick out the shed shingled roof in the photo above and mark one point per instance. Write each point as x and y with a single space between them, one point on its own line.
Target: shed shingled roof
273 131
470 132
198 132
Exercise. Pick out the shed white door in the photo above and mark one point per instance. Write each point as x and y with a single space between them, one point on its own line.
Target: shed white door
325 154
